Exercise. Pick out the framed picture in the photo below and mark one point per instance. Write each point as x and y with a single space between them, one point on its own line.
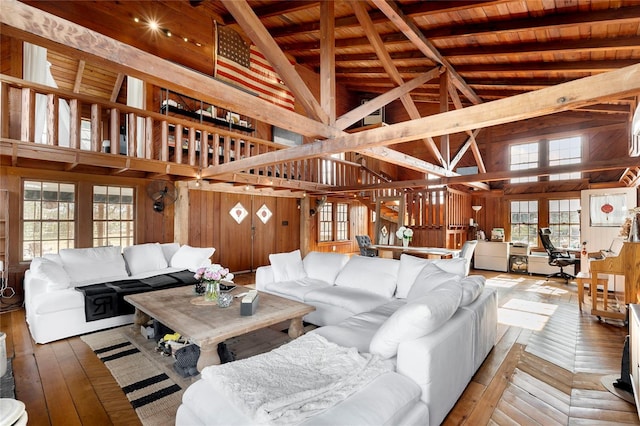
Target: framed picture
607 210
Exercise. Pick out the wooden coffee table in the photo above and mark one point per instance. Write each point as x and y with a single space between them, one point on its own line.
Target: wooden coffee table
206 325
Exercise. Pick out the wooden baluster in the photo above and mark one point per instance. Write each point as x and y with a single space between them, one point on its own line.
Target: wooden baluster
75 123
114 131
178 143
52 119
28 118
96 116
132 135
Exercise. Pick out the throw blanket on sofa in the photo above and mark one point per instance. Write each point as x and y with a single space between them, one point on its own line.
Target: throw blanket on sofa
106 300
295 381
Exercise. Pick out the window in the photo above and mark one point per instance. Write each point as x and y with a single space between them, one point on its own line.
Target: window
522 157
342 222
113 216
564 222
333 222
524 222
326 222
565 151
48 218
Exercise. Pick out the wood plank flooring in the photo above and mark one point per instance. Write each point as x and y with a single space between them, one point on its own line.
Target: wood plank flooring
545 368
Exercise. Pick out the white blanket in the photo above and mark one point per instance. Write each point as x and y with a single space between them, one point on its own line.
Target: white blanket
295 381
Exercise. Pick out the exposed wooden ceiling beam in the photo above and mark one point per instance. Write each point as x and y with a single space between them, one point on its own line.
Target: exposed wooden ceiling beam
594 166
78 79
328 61
256 31
350 21
374 104
116 87
277 8
619 83
404 160
489 52
408 27
561 20
390 68
474 145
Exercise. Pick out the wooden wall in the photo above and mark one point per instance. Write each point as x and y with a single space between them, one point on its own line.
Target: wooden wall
246 245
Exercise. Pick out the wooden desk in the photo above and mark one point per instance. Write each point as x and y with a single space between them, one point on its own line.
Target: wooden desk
427 252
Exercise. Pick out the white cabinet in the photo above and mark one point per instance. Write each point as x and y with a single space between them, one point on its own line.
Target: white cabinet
492 255
539 264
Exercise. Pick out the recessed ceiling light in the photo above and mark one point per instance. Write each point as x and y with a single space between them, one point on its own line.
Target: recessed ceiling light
153 25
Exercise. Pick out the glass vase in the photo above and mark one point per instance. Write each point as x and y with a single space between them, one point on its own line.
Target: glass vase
212 290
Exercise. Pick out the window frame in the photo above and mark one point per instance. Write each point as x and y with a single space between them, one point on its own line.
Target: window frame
120 240
334 223
72 224
565 160
532 227
558 228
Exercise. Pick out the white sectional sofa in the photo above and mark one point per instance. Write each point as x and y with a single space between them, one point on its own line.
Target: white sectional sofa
434 324
54 284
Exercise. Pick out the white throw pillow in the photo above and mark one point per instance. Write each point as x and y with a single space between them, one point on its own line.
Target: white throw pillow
51 272
287 266
410 267
416 319
94 265
169 249
457 265
429 279
324 266
142 258
472 286
192 258
375 274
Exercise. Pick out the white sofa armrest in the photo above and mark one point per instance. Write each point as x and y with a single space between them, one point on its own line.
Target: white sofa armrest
264 276
441 363
33 287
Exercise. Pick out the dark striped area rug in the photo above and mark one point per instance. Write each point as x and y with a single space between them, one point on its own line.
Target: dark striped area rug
154 395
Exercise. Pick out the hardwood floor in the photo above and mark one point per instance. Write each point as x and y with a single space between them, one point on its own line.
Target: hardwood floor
545 368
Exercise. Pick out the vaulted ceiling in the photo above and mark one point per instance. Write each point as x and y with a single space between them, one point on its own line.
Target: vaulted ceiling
490 50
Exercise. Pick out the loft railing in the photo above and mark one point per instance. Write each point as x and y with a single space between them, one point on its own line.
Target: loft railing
161 142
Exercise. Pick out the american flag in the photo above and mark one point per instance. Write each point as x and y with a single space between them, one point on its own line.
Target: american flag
243 65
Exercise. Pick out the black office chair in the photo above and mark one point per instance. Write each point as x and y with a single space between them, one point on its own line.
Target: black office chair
364 242
557 257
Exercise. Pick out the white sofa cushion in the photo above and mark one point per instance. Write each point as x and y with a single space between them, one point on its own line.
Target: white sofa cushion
358 330
410 267
94 265
143 258
324 266
372 274
296 290
416 319
192 258
169 249
287 266
472 287
350 299
428 280
51 272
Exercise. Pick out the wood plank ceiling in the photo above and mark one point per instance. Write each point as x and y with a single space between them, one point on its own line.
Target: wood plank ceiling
491 50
